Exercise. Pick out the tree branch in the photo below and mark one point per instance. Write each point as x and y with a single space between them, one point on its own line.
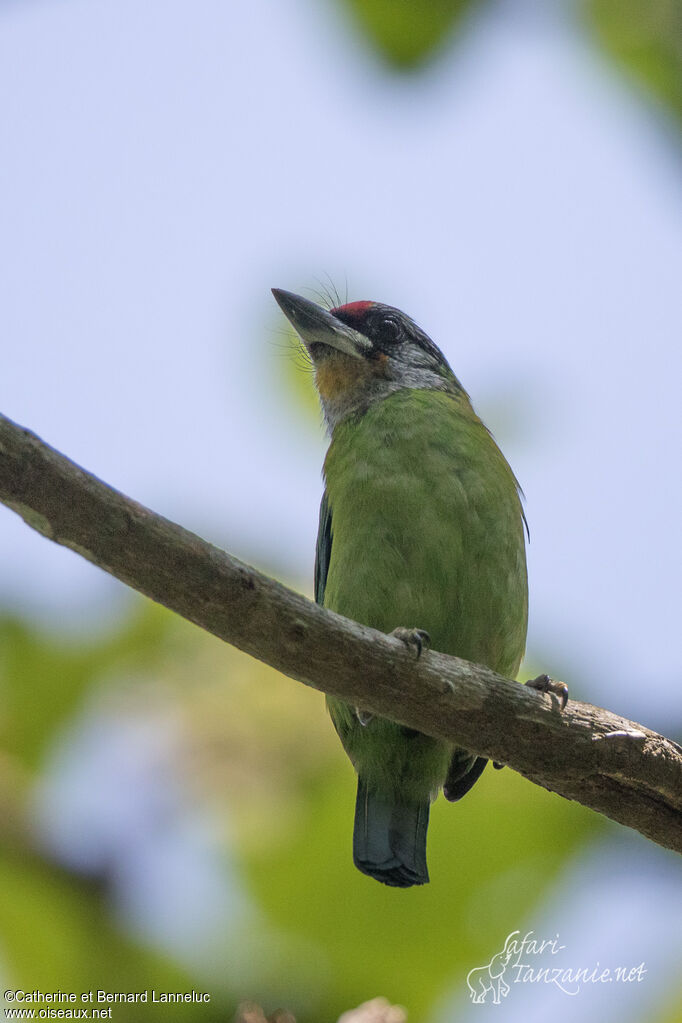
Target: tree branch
614 766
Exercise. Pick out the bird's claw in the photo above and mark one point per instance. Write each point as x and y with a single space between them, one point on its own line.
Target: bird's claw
416 639
363 716
545 684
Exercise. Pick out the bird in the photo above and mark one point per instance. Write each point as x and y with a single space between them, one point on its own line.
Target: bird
421 534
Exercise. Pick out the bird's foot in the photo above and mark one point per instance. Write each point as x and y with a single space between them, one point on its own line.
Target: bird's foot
545 684
363 716
416 639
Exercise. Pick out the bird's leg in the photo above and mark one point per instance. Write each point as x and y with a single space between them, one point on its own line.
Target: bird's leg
416 639
545 684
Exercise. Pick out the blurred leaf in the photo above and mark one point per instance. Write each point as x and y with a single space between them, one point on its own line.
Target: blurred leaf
58 935
672 1013
276 772
60 929
493 859
645 36
43 677
294 370
260 750
407 32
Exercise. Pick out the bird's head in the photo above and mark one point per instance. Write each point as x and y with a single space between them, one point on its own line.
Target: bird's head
364 351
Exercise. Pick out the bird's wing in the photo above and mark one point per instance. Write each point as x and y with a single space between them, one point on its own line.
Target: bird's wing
323 551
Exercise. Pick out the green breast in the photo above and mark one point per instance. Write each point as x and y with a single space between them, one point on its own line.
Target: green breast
427 528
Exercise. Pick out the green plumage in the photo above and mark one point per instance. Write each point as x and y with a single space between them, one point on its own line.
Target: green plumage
422 527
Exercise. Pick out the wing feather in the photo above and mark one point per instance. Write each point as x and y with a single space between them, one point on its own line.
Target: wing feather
323 550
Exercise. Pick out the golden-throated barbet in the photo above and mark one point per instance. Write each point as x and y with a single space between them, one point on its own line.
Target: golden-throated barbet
421 533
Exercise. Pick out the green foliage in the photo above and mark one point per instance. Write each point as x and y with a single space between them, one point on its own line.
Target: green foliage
58 930
319 937
493 858
645 37
672 1013
43 678
407 32
295 377
57 933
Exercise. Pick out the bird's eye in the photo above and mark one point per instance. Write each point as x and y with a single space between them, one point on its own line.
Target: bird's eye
390 329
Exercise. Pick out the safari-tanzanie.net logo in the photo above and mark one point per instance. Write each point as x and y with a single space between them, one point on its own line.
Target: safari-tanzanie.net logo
530 960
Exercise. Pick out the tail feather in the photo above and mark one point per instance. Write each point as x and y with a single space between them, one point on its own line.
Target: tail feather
463 773
389 839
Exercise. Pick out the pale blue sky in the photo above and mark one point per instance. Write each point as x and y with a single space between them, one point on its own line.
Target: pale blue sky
163 164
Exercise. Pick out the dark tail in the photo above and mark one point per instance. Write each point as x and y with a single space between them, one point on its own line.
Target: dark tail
463 772
389 839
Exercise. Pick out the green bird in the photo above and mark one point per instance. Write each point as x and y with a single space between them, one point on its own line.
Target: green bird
421 533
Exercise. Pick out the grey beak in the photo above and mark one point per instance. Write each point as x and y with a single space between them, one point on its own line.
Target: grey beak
316 326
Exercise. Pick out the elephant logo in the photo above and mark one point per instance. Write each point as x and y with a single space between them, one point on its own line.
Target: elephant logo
484 980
